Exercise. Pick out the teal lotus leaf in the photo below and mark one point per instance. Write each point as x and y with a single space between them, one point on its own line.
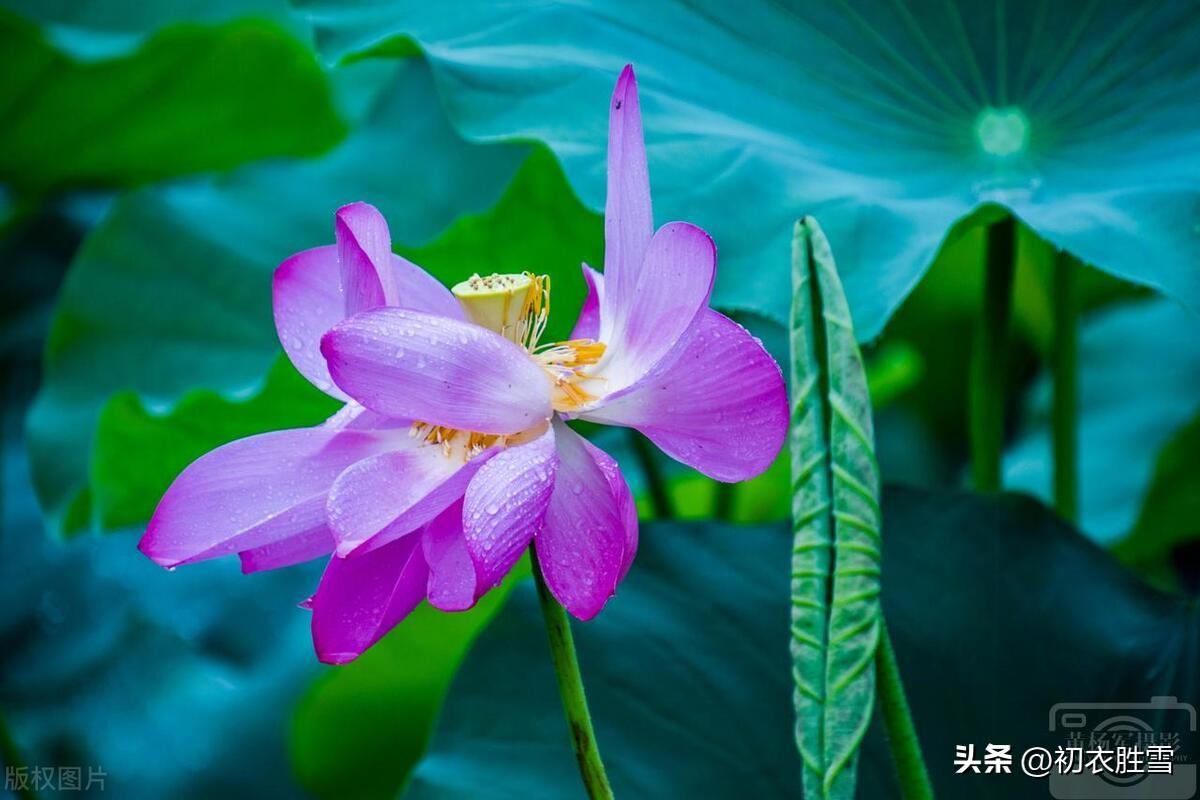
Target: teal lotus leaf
887 121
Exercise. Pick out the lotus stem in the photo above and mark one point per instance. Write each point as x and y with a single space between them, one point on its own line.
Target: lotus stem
897 719
1065 356
570 687
988 359
723 497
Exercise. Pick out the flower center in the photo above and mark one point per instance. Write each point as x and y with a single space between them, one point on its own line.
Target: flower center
517 306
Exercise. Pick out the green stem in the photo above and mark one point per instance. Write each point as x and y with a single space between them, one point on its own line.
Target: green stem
988 359
723 496
1066 386
644 451
570 687
11 757
898 722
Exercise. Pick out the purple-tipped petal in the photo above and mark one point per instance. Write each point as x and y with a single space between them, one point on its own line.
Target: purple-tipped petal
452 583
672 288
718 404
628 221
307 301
294 550
411 365
581 548
387 496
626 505
364 248
505 506
254 492
588 324
361 599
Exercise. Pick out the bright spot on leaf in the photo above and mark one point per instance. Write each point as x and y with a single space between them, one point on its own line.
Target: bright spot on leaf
1002 131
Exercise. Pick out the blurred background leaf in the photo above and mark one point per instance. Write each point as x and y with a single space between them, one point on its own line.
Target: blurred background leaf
103 655
1139 376
688 675
1163 542
93 30
190 98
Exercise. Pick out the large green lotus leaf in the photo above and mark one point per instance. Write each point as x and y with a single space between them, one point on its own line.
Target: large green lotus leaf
887 121
1139 382
991 601
191 98
172 290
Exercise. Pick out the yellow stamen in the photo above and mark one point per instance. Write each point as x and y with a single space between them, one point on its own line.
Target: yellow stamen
455 443
564 363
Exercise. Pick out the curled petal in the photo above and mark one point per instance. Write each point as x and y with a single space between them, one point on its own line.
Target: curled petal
364 248
671 289
588 324
581 548
384 497
307 302
361 599
452 582
254 492
411 365
505 506
628 221
717 404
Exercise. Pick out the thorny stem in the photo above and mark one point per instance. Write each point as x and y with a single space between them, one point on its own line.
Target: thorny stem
570 687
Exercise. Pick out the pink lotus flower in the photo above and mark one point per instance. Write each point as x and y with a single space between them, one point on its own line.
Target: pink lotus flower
452 454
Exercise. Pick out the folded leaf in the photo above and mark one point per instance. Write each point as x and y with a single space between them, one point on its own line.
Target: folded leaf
835 517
